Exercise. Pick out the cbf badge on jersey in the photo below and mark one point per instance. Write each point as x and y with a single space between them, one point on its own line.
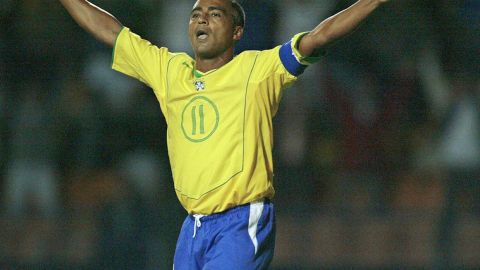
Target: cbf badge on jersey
199 85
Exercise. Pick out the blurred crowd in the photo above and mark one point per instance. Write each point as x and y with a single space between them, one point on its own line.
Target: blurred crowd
385 128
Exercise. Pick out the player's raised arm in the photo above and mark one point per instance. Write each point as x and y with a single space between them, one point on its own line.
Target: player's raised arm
337 26
101 24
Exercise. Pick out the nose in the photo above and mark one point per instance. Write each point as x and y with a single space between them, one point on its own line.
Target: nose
202 19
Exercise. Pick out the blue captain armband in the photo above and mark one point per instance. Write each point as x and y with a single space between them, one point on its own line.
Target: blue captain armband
291 58
290 61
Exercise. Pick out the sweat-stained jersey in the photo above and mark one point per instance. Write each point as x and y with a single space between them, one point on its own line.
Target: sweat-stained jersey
219 133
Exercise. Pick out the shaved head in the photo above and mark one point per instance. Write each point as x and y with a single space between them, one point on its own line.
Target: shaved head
238 14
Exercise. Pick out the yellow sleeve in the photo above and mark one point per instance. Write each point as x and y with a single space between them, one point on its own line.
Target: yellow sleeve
138 58
280 67
285 61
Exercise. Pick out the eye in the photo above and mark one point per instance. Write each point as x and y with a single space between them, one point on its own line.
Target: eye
195 15
216 14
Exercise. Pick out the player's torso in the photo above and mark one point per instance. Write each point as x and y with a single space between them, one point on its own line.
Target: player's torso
206 124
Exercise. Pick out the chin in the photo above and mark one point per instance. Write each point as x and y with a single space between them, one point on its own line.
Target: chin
206 54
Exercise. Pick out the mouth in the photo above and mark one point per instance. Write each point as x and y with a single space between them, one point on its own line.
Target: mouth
201 34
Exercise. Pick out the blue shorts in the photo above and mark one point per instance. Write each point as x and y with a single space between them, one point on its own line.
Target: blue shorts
240 238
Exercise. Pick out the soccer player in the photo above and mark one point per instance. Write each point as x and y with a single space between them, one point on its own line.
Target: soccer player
219 109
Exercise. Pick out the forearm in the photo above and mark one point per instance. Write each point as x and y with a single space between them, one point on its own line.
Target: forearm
102 25
337 26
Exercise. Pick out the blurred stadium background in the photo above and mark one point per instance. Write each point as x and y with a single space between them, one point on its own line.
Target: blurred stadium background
377 146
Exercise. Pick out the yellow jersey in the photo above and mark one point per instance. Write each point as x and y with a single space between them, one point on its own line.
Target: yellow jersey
219 123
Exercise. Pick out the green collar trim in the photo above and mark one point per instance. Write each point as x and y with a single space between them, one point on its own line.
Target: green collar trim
197 74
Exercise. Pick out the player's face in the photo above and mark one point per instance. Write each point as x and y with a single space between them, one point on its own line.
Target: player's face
211 29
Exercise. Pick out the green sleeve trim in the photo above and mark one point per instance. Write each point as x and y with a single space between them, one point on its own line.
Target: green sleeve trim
306 60
115 45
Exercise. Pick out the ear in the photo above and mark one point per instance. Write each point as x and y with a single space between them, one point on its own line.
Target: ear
237 33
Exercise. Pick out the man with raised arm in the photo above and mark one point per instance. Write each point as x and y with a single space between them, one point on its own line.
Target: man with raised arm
219 109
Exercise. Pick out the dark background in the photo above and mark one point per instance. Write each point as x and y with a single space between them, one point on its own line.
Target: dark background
377 146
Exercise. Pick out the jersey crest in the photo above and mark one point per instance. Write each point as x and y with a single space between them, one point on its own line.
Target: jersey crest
199 85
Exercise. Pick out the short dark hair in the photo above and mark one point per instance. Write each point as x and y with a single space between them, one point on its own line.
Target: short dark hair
238 14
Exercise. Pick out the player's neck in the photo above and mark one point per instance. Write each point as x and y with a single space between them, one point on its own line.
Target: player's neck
205 65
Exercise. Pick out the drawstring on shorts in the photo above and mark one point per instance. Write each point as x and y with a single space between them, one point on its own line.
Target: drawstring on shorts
196 224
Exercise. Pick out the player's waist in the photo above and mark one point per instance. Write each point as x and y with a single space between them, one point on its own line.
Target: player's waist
236 210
